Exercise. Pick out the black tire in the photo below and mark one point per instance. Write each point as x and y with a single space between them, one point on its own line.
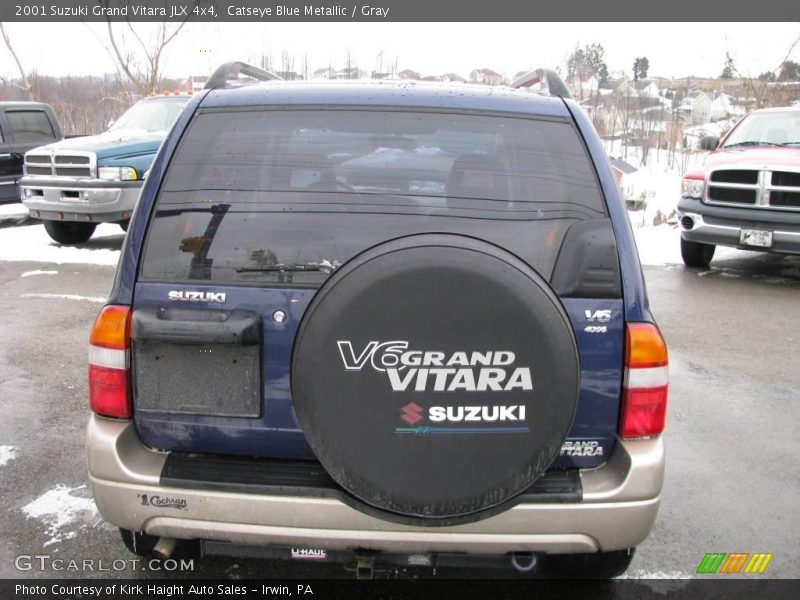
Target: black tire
600 565
695 254
137 542
443 296
69 232
124 224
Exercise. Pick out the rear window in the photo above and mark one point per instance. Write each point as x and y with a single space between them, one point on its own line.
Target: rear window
286 196
30 125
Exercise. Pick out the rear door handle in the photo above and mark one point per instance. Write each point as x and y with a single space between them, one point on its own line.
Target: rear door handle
196 326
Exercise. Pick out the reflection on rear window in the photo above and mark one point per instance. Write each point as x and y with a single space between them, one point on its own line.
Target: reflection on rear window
287 196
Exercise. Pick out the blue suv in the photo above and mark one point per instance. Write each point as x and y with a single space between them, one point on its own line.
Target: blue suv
381 322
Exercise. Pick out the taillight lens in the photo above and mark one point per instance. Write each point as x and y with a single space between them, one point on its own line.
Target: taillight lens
109 363
644 394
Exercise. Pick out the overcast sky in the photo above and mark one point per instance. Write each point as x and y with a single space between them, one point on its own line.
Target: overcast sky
673 49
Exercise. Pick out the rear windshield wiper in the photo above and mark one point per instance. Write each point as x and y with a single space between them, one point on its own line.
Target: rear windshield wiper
280 268
751 143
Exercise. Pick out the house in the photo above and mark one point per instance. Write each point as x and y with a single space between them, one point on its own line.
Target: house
695 108
453 78
350 73
620 168
288 75
585 87
646 88
485 76
323 73
409 74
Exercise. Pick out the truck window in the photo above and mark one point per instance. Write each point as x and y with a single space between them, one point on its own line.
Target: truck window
30 125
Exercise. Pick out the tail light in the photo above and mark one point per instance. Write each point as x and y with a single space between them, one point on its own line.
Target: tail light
644 394
109 363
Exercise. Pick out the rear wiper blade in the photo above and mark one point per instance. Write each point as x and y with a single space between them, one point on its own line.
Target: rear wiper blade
790 143
327 268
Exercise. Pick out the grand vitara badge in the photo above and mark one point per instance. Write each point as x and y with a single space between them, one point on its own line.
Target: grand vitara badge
436 371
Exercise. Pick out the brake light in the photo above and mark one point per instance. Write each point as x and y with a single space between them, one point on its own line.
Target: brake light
644 394
109 363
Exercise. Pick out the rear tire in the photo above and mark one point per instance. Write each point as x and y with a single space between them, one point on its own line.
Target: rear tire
137 542
695 254
600 565
69 232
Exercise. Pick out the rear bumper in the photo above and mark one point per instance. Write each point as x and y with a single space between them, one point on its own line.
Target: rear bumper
620 502
70 200
722 225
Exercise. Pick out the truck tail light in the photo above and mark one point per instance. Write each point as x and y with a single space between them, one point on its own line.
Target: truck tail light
109 363
644 393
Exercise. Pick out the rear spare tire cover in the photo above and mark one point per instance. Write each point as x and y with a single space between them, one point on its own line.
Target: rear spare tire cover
435 376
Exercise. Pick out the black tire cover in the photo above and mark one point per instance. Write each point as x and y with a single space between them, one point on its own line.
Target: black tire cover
451 296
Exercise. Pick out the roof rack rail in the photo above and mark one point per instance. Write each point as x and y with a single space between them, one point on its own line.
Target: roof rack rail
230 71
542 81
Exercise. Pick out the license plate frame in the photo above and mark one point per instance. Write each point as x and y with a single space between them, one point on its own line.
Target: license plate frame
757 238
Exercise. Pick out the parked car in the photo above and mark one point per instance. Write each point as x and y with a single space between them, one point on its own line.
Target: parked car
747 195
23 126
73 185
380 322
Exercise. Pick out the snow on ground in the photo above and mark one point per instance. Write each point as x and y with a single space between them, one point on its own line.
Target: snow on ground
62 508
38 272
15 209
31 243
7 453
97 299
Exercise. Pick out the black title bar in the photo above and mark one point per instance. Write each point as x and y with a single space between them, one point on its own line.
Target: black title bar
270 11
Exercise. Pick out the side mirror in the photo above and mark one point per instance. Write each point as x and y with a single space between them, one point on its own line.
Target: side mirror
709 142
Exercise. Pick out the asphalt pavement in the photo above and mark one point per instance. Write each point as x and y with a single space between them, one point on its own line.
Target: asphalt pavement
733 484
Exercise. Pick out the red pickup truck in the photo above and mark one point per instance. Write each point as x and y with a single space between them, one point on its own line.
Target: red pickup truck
748 193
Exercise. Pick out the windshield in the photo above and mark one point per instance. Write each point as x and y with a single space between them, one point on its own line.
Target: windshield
157 114
766 129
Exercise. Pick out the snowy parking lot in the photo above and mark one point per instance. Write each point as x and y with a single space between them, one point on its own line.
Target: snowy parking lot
733 349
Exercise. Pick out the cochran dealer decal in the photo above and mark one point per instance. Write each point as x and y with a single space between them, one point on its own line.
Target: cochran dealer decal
435 371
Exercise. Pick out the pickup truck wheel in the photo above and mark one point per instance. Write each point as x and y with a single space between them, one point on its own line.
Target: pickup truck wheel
600 565
69 232
435 377
695 254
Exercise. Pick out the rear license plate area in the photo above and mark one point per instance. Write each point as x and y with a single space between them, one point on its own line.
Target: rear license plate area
755 237
197 361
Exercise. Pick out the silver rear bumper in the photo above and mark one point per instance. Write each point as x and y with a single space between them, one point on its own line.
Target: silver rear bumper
620 502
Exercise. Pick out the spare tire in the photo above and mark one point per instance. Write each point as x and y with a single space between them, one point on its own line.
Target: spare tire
435 377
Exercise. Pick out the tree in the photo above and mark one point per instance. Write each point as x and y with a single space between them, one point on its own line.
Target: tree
587 61
789 71
139 59
640 67
729 70
26 83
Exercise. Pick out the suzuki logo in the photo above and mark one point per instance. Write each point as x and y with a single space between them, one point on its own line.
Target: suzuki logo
412 413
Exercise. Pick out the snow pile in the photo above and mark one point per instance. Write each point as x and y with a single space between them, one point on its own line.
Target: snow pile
62 507
7 453
13 210
38 272
32 243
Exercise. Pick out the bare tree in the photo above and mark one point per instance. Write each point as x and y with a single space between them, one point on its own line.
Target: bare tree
26 83
763 92
138 59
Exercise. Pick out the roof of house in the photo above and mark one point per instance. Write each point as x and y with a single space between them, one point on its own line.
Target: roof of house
622 166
